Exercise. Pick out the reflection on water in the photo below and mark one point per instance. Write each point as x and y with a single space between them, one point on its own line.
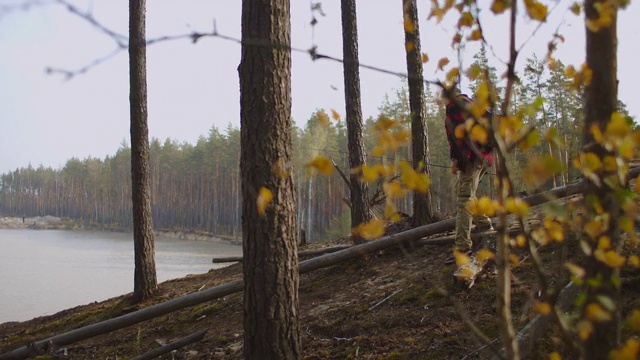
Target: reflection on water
45 271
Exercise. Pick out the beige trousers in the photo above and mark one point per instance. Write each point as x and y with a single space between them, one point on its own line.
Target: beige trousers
466 187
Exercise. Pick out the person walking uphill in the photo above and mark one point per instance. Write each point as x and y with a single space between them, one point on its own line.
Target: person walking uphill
469 162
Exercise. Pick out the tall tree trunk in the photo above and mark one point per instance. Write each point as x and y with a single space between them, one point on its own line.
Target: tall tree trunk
271 328
145 280
422 212
600 103
360 207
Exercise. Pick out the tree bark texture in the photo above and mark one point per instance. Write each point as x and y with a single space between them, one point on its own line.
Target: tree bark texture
600 102
422 212
271 329
359 189
145 280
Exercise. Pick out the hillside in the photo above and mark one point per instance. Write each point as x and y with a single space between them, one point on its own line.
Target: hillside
398 303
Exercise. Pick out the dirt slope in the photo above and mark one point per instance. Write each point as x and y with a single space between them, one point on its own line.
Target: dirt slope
388 305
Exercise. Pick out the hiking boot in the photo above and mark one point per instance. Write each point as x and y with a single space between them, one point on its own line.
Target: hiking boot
452 258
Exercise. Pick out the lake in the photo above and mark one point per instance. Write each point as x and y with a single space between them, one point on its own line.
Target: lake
46 271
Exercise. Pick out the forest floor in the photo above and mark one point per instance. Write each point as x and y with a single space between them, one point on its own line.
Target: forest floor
399 303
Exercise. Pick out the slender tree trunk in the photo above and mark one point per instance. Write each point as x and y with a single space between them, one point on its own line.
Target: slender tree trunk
600 103
271 324
145 281
422 212
360 207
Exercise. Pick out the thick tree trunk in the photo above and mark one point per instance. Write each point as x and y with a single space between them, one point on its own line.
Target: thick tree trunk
422 212
145 281
359 189
600 103
271 329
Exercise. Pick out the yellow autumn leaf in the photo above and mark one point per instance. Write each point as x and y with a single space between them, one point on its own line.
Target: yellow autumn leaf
474 71
453 74
513 259
409 46
486 206
575 270
466 20
633 321
541 307
409 26
576 8
394 190
585 329
401 136
461 258
442 63
555 356
499 6
484 255
634 260
369 174
596 133
370 230
618 127
610 257
459 131
586 74
264 199
595 312
335 115
479 134
590 162
554 230
521 240
517 206
321 164
536 10
390 210
281 170
476 35
323 118
425 58
628 351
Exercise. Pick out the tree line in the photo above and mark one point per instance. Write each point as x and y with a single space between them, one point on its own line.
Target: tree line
197 186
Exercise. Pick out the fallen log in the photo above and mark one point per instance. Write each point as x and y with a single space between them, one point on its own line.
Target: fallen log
180 343
314 252
185 301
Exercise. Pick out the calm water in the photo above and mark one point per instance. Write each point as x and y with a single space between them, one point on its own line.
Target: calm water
45 271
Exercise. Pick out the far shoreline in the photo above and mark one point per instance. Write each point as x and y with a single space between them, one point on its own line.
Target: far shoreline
49 222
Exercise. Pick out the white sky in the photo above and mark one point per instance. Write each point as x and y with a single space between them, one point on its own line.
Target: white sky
46 120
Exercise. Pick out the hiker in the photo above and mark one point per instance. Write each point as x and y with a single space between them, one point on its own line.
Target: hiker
469 162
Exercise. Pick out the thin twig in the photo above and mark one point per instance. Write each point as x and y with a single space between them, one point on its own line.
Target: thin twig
385 299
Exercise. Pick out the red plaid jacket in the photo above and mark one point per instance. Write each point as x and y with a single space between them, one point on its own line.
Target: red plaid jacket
459 148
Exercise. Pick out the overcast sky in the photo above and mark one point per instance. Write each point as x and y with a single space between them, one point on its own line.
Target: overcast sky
46 119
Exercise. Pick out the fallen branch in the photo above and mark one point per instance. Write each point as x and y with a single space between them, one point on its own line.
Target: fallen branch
180 343
385 299
314 252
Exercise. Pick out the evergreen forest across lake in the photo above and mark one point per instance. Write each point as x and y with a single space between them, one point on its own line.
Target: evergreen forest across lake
196 187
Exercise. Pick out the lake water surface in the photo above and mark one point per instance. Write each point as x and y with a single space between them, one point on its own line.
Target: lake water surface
45 271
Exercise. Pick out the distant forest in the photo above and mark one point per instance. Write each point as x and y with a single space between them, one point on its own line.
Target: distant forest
196 187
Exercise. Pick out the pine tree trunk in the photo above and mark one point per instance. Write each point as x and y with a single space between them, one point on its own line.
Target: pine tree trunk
360 208
145 281
422 212
271 324
601 102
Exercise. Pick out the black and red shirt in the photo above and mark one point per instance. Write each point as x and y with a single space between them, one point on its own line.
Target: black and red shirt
458 147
